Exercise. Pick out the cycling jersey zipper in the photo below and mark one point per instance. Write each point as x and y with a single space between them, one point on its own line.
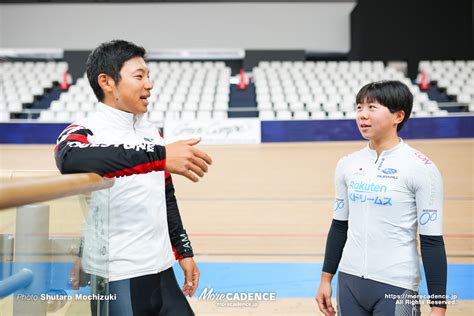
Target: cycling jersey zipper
366 217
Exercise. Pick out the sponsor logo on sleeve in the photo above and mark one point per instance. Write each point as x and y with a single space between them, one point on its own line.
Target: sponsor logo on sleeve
338 204
423 158
428 216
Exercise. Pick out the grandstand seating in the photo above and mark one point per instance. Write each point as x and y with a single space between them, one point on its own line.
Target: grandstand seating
182 90
324 90
22 82
455 77
285 90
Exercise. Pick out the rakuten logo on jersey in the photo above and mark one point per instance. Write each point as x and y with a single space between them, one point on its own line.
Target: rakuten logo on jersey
361 186
363 193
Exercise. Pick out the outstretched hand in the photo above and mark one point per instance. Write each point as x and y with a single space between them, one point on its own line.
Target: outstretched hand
184 159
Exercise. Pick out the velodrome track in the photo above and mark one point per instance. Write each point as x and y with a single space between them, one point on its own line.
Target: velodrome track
258 221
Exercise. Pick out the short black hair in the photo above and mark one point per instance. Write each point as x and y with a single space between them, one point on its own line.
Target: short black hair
108 58
392 94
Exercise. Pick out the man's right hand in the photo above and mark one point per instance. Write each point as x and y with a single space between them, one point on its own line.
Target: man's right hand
184 159
323 297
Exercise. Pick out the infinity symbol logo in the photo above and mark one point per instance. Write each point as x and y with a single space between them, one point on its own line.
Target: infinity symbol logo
428 216
338 204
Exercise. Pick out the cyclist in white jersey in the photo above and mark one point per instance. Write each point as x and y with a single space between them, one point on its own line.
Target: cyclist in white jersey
134 232
385 192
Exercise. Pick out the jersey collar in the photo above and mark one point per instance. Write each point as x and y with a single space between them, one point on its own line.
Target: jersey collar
373 152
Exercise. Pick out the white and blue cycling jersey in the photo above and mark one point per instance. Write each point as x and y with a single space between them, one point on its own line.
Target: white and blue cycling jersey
386 199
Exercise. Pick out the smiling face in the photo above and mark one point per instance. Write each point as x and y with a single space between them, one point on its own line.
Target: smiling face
131 92
376 122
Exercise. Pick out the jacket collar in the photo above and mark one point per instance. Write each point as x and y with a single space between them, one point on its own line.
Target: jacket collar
119 117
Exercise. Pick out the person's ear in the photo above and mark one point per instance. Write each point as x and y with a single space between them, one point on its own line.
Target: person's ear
399 117
106 83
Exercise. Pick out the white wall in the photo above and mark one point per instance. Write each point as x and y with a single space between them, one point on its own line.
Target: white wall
1 25
314 26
